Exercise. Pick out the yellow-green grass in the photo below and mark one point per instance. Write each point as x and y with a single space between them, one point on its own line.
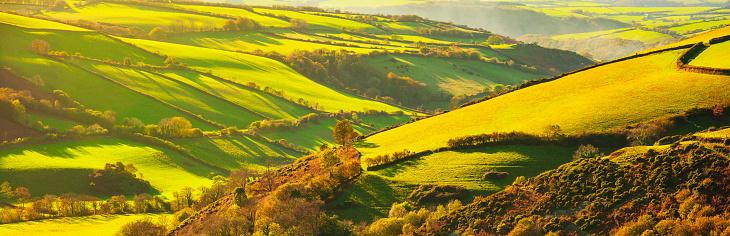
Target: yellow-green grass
648 37
88 44
449 75
263 20
416 38
723 133
264 72
261 103
666 10
236 152
375 194
715 56
76 226
488 54
60 124
144 17
404 27
594 10
68 164
363 3
21 8
314 135
27 22
465 168
705 37
586 35
174 93
90 90
602 98
321 22
345 40
251 41
559 13
699 25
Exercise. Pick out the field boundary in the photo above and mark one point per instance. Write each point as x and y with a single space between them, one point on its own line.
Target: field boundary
684 60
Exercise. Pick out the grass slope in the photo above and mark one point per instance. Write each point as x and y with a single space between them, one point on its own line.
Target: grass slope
251 41
90 90
174 93
321 22
75 226
605 97
144 17
70 162
263 20
453 76
314 135
27 22
715 56
236 152
56 122
262 103
264 72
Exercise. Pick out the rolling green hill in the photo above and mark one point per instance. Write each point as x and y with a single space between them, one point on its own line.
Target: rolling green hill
237 152
75 226
244 68
597 99
128 15
70 163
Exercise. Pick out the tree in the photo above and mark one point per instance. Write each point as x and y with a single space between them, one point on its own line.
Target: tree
136 32
40 46
230 25
175 127
344 134
495 40
158 33
587 151
299 24
244 23
23 194
553 132
127 61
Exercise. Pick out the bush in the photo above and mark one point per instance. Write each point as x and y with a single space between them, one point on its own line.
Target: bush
495 175
144 227
118 179
431 193
587 151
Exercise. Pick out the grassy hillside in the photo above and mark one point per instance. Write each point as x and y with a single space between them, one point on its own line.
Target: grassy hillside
27 22
261 103
454 76
56 122
90 90
174 93
71 162
251 41
601 98
143 17
237 152
263 20
713 56
76 226
320 22
264 72
314 135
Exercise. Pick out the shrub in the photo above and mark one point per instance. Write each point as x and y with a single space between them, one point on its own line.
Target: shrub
495 175
117 179
431 193
144 227
587 151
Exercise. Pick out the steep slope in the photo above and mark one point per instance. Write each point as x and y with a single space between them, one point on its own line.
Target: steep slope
601 98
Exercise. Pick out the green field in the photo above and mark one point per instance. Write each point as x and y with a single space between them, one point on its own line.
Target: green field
143 17
321 22
453 76
699 25
90 90
236 152
315 135
723 133
465 168
70 163
262 103
27 22
251 41
76 226
375 195
264 72
705 37
263 20
60 124
647 37
598 99
713 56
174 93
587 35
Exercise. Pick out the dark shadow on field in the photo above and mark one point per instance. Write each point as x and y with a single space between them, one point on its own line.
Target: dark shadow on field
54 181
364 144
